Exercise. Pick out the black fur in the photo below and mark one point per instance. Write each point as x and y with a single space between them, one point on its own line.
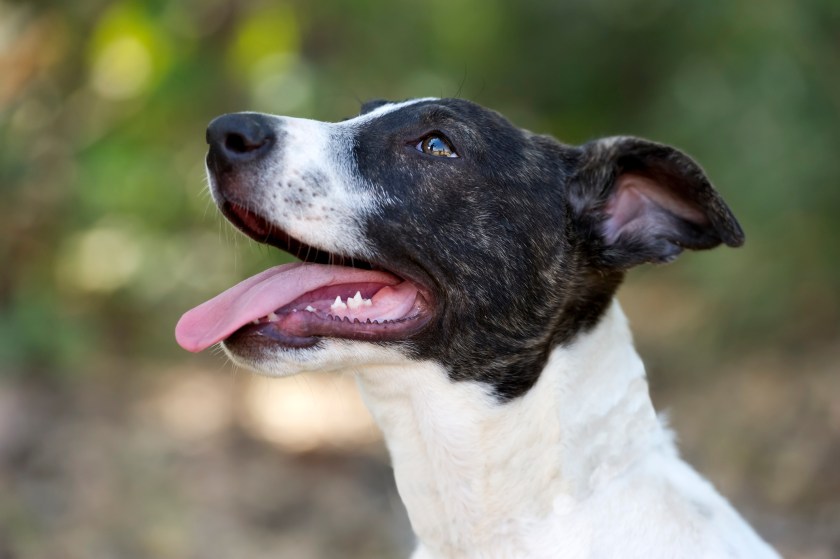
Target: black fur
514 238
508 234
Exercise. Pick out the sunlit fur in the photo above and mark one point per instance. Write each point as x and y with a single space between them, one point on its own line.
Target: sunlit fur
579 467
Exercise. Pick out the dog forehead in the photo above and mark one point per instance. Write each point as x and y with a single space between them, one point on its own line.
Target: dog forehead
388 108
385 115
483 136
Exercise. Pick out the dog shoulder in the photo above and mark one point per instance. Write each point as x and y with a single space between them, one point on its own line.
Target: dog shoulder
662 509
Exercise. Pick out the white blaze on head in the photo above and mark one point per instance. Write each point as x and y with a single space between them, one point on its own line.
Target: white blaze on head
312 188
306 188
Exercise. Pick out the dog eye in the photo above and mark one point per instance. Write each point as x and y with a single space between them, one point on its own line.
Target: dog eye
436 145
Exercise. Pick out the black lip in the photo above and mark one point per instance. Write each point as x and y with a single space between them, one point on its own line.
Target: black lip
261 230
302 330
258 228
273 335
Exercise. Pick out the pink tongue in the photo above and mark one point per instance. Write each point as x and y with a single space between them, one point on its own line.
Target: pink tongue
221 316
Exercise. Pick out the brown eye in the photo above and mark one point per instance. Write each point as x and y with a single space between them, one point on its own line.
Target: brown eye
436 145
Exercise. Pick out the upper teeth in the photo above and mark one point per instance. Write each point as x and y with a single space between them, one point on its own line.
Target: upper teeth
353 302
357 301
310 308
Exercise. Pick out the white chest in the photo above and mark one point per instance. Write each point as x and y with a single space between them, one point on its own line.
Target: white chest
579 467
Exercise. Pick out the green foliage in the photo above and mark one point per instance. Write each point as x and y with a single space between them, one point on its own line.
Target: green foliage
106 234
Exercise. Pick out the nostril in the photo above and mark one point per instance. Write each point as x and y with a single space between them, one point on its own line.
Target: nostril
240 137
238 143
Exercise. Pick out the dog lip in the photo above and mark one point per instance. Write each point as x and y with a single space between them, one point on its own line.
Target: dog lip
296 330
257 333
261 295
261 230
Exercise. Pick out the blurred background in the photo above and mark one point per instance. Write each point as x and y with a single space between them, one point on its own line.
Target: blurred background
114 443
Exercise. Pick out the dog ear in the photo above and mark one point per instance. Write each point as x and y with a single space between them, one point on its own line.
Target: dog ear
368 106
640 201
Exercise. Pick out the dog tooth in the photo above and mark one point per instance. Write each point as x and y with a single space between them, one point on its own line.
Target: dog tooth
367 302
309 308
272 317
356 301
255 321
339 304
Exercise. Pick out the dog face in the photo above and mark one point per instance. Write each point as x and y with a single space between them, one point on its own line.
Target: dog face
434 229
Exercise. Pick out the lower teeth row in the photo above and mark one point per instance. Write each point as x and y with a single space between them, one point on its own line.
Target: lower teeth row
273 317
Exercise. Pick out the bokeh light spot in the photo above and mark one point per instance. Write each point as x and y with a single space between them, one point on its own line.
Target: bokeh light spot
122 69
128 53
101 259
263 35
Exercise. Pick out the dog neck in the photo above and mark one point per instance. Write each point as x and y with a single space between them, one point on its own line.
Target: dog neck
473 472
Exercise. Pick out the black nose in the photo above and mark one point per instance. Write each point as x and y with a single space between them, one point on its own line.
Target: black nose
240 137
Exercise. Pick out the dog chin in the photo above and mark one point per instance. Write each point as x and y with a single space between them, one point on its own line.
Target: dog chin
331 355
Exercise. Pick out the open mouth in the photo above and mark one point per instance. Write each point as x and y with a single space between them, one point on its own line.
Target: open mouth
294 305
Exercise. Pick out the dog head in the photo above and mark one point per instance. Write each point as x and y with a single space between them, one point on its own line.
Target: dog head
434 229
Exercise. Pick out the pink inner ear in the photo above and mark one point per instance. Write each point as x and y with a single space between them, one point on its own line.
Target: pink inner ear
640 203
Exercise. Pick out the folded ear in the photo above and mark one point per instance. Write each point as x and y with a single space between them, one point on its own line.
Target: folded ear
640 201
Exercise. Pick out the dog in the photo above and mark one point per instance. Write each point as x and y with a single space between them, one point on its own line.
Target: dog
465 271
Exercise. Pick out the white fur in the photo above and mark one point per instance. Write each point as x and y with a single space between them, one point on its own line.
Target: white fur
579 467
382 110
326 216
